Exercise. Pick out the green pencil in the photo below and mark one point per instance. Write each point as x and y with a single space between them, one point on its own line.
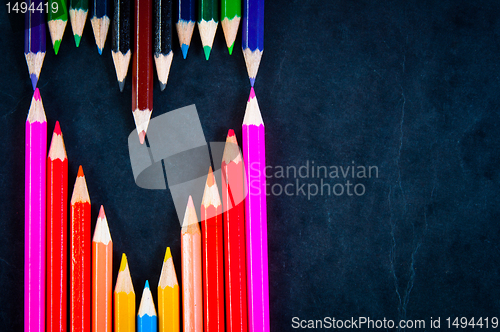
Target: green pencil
78 10
208 18
57 17
230 19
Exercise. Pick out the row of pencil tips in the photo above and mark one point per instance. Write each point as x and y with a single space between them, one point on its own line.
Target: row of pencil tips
148 16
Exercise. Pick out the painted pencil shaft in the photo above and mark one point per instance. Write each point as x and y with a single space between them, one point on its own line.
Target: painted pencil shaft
100 22
102 270
142 77
256 218
124 299
146 318
163 39
34 40
57 20
192 298
80 258
233 200
34 216
253 36
230 20
78 10
208 19
57 227
168 297
212 244
185 23
121 34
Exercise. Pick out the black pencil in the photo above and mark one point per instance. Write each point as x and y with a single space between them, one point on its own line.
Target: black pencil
120 48
163 39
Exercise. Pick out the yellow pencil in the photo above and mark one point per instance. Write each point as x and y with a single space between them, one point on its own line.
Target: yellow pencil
124 299
168 296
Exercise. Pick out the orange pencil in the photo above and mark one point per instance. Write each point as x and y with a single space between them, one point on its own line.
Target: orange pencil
102 270
192 302
80 274
213 277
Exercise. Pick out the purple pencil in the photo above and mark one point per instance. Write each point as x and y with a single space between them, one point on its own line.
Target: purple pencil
253 36
34 217
34 39
254 151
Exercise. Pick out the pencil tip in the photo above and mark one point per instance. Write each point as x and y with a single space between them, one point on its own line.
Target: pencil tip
162 86
57 129
190 202
142 136
34 81
207 50
123 263
210 177
57 44
168 254
230 133
252 81
99 50
121 84
252 94
146 285
80 171
36 94
230 49
185 49
101 213
77 40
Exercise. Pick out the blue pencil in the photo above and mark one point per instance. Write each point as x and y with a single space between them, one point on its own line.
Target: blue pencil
185 23
34 39
146 318
100 22
253 36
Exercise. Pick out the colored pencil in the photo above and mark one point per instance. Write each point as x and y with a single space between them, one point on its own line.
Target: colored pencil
57 20
185 24
233 200
34 40
168 296
100 22
124 299
80 273
163 40
120 48
208 19
57 227
192 302
34 216
146 318
253 36
78 10
102 271
230 20
254 151
212 244
142 77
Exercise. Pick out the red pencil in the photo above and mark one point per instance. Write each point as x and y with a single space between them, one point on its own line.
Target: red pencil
57 225
142 75
213 277
80 276
233 200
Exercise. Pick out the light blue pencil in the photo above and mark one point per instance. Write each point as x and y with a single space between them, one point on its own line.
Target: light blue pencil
146 318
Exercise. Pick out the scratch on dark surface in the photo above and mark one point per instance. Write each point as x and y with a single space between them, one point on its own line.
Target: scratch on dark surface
3 260
278 75
401 124
392 254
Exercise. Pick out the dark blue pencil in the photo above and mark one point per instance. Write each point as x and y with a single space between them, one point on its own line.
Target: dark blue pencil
163 39
121 40
34 39
100 22
253 36
185 23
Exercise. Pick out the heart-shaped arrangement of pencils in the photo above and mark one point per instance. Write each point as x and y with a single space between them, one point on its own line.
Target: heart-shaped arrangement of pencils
224 263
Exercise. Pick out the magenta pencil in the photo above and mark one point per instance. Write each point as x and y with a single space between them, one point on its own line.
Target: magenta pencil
34 216
254 151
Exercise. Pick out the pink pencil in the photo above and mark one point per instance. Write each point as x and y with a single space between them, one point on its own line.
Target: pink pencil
34 217
254 151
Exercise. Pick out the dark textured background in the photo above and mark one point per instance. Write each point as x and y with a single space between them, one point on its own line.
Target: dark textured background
411 87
